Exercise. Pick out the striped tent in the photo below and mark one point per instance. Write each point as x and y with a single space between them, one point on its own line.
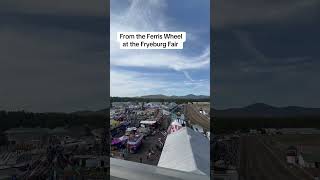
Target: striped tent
174 127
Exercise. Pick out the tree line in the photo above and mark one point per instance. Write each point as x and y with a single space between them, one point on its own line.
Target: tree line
147 100
13 119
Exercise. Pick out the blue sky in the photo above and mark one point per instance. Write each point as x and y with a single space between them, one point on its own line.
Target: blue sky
169 72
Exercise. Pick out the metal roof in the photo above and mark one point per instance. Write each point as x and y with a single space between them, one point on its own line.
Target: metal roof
186 150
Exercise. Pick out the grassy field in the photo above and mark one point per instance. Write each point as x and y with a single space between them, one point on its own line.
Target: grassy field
297 139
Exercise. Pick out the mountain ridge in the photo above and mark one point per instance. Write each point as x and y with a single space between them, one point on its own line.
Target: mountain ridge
263 110
161 96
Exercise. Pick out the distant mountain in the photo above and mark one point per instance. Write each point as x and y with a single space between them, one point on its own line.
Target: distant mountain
155 96
161 96
266 111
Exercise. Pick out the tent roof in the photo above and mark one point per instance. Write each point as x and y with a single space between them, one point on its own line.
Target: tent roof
186 150
147 122
173 123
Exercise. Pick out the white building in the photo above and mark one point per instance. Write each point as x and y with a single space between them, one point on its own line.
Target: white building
186 150
165 112
172 105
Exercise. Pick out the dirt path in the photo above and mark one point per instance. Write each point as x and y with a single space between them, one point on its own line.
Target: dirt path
257 162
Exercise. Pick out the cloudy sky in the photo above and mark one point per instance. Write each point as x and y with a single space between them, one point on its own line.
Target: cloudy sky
169 72
266 51
53 55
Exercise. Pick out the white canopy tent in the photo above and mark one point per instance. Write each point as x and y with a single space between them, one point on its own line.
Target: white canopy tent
186 150
148 122
174 126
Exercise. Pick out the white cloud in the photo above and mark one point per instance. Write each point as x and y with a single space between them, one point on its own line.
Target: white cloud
129 84
148 16
157 59
188 76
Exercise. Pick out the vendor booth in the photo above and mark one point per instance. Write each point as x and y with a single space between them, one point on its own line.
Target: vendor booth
118 143
134 142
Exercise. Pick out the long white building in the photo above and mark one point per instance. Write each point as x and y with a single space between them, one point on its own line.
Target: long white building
186 150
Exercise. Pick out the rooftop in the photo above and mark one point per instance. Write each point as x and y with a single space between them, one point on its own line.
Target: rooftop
186 150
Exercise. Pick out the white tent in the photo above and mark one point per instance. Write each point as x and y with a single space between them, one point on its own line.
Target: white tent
174 126
186 150
131 129
165 112
148 122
